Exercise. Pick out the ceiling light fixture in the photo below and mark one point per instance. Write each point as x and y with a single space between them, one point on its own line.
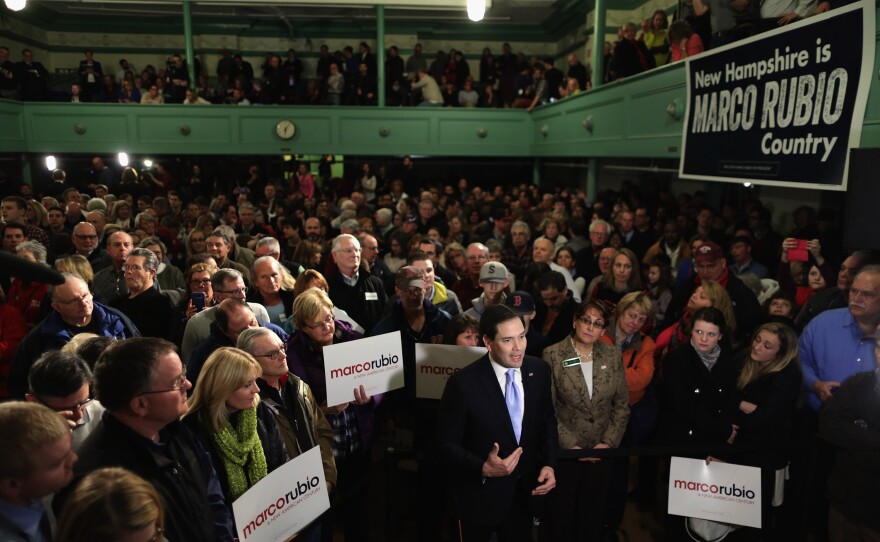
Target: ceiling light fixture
16 5
476 9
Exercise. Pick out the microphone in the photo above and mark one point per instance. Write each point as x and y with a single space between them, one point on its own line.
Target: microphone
34 272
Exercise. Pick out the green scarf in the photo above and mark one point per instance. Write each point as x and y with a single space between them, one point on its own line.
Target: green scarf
242 453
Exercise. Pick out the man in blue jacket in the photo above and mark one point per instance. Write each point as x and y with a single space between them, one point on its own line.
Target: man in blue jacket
74 311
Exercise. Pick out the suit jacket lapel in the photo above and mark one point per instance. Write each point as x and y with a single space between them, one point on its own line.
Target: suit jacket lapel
496 397
576 378
601 373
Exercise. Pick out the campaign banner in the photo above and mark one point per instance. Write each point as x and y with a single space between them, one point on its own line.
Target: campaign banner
284 502
435 363
718 491
376 363
784 107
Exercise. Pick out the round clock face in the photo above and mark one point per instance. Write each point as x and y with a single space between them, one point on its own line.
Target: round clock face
285 129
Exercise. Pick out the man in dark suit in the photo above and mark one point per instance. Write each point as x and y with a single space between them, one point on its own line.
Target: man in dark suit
497 432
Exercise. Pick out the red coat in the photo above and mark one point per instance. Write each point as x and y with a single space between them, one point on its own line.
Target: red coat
27 297
13 329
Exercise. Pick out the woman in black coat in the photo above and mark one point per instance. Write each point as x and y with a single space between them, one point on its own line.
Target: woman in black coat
700 387
768 388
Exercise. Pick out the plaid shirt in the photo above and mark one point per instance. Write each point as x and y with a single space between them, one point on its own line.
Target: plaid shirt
346 434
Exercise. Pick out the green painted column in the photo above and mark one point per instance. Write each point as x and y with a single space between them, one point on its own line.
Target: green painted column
188 41
380 53
598 43
592 180
536 171
26 176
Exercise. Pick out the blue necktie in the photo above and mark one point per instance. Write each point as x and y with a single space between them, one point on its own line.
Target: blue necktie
514 403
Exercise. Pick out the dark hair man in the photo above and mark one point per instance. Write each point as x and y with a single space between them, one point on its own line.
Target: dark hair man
500 447
142 384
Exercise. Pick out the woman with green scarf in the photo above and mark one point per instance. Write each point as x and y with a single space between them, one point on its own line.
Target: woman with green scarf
239 431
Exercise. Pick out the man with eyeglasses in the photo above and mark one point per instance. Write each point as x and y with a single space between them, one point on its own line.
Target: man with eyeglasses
233 316
302 423
226 284
142 384
63 382
710 264
145 305
109 283
352 288
370 259
85 243
74 311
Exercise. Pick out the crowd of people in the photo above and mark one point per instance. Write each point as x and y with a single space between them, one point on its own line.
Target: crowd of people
184 348
349 76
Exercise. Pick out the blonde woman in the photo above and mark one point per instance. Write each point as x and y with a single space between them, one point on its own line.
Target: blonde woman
112 505
78 265
707 294
239 431
768 388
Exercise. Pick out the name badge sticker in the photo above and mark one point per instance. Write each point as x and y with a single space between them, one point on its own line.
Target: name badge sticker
371 296
571 362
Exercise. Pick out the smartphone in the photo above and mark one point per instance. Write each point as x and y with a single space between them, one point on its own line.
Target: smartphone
799 253
198 300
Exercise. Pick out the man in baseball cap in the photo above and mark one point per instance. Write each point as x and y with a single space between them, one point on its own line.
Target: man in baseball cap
523 304
493 280
711 264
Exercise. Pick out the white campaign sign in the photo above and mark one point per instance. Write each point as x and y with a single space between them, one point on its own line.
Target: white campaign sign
284 502
435 363
376 363
718 491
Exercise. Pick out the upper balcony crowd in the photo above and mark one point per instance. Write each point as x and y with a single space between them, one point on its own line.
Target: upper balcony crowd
349 76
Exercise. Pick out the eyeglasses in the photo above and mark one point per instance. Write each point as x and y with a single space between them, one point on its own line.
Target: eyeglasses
86 237
323 323
595 324
160 535
274 354
200 282
179 385
79 406
126 268
85 298
243 290
413 292
349 250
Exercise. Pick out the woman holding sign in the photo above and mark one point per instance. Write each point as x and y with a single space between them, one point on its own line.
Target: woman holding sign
353 423
239 431
590 397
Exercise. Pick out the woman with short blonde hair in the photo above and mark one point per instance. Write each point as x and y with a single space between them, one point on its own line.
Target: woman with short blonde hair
78 265
112 504
309 305
240 432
